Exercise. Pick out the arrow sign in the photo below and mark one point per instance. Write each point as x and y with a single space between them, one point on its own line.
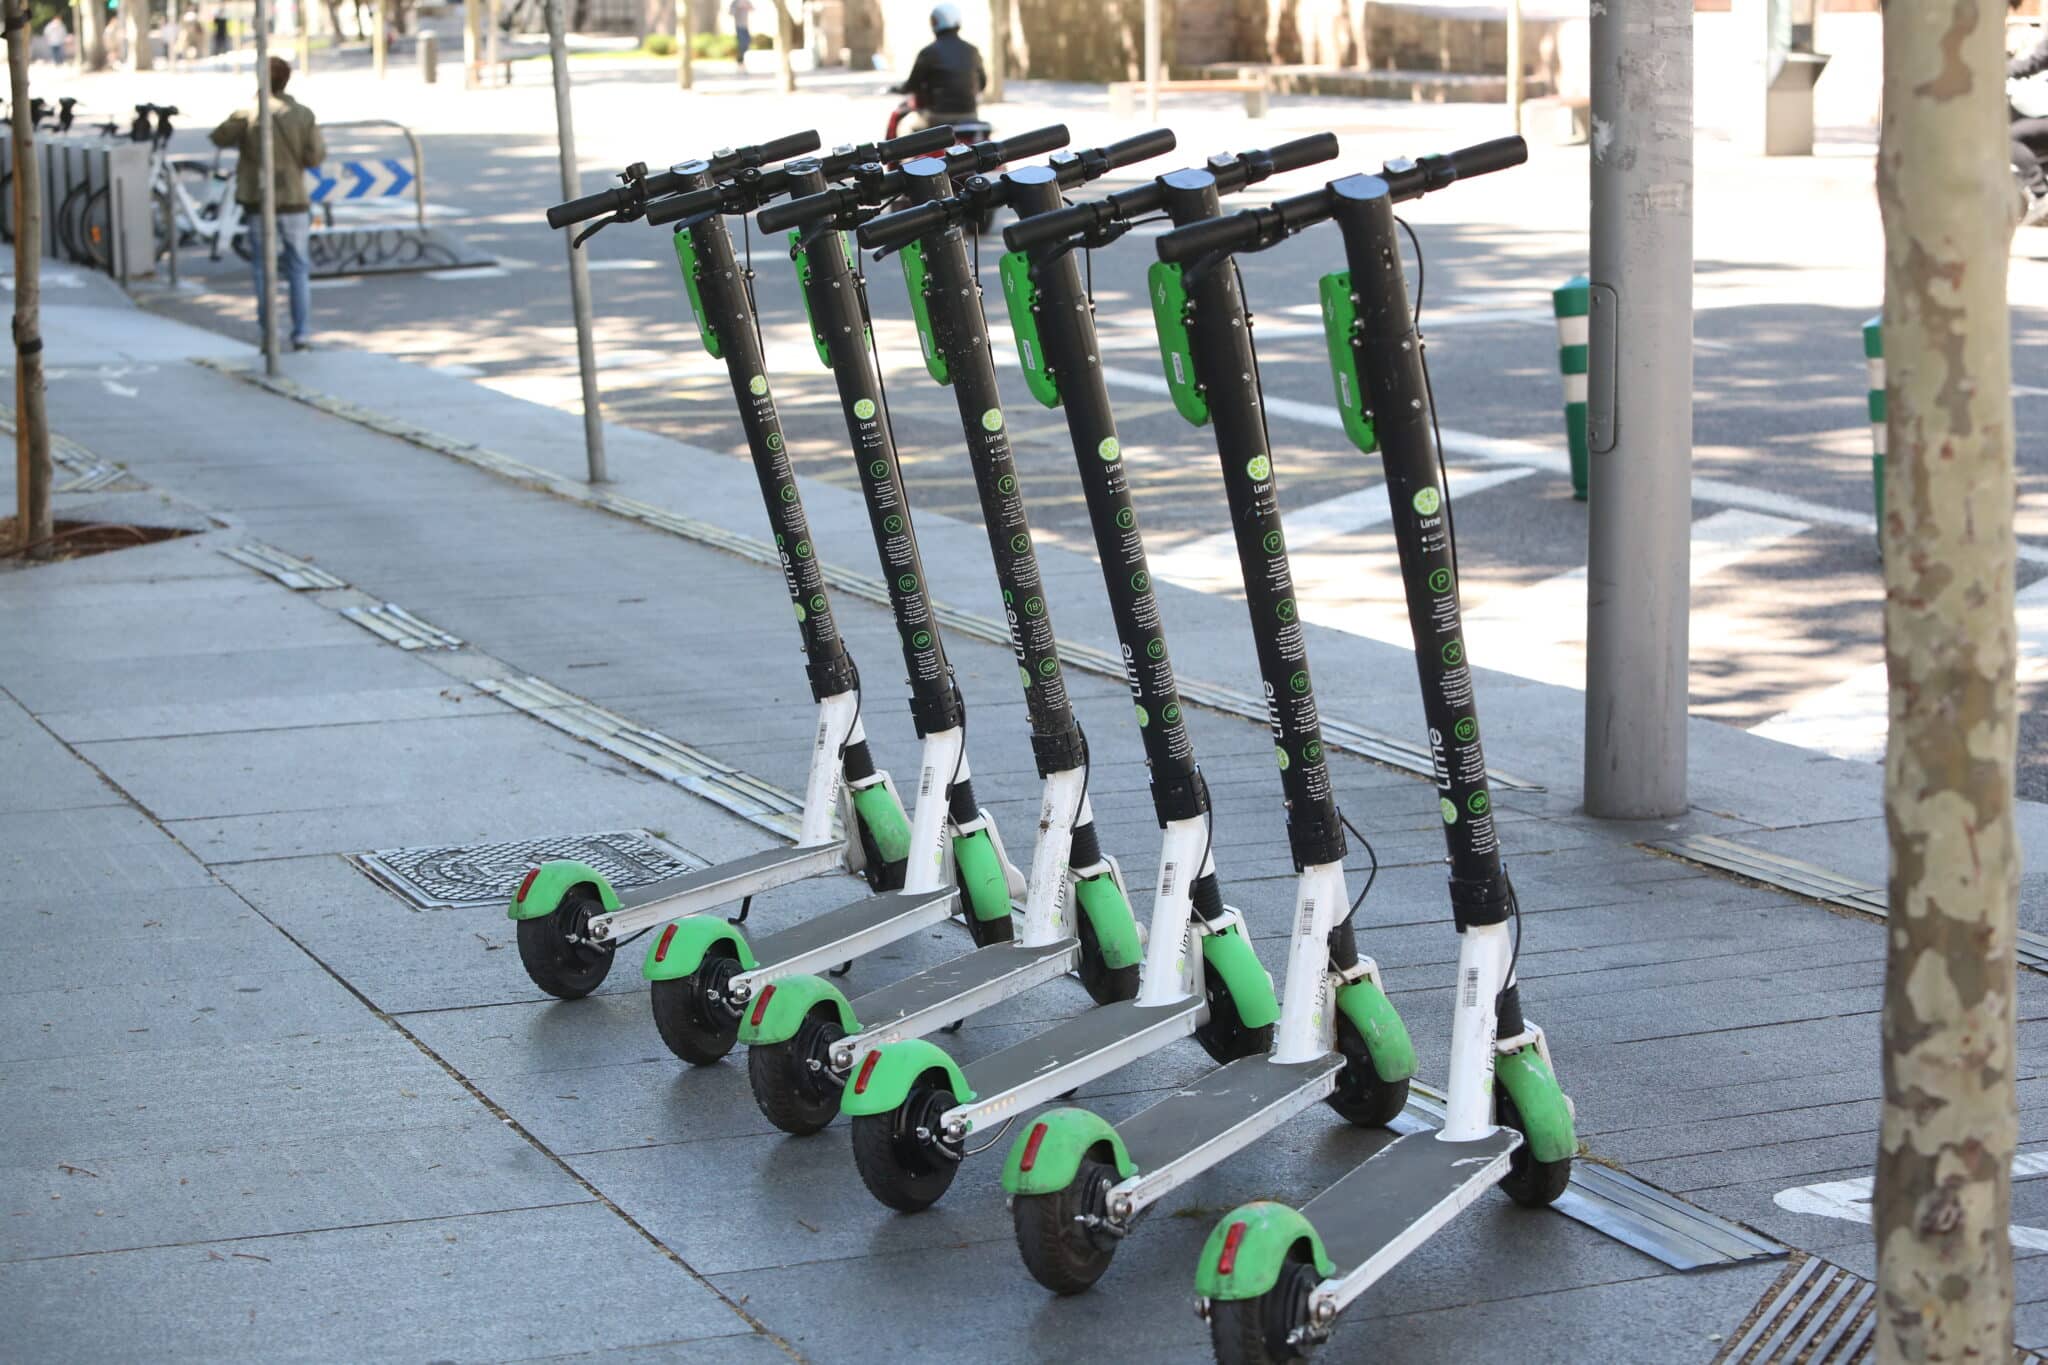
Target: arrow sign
400 178
363 175
321 185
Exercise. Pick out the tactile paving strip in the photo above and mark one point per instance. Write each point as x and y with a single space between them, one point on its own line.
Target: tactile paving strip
294 573
394 623
462 876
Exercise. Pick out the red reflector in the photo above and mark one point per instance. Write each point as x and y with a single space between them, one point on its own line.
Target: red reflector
1031 1147
668 936
867 1069
1227 1261
526 885
761 1005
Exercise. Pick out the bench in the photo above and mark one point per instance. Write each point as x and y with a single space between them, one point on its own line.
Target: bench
1124 96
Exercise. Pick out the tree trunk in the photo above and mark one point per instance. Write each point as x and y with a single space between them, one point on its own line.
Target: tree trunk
31 417
1943 1190
784 74
135 26
92 37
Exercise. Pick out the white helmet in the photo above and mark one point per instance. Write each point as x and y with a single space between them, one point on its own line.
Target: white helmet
945 18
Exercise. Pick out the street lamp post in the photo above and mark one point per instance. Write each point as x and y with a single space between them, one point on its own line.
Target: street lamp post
579 270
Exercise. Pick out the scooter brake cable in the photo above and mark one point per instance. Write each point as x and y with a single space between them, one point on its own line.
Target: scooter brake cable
754 310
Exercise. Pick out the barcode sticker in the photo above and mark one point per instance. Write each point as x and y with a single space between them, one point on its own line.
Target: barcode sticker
1471 992
924 784
1166 878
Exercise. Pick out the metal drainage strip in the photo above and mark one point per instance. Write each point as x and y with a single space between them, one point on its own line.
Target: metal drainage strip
1631 1211
394 623
760 803
1813 882
462 876
1818 1314
295 574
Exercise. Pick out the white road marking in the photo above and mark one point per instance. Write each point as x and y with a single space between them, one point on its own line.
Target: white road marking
621 264
1849 1200
472 272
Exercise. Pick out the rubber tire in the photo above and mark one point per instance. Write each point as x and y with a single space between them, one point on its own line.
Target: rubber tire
1223 1035
696 1024
564 970
792 1096
1060 1254
1361 1097
982 931
906 1175
1254 1331
880 876
1531 1183
1105 984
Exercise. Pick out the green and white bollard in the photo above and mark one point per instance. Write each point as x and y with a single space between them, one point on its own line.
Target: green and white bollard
1572 303
1873 355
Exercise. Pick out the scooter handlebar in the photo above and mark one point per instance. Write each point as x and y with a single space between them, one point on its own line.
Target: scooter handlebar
899 229
1037 142
1056 226
783 148
1143 147
1303 151
1503 153
589 206
1230 232
796 212
921 143
685 205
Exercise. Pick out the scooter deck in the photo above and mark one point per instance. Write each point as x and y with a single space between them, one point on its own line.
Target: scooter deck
708 887
847 932
1073 1052
955 990
1227 1110
1390 1205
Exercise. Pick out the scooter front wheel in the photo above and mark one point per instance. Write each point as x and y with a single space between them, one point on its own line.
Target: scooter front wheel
1224 1035
1267 1330
555 952
793 1080
1062 1236
1531 1183
696 1018
1361 1096
902 1157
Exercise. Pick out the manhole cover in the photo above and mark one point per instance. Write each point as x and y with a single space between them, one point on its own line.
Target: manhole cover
452 876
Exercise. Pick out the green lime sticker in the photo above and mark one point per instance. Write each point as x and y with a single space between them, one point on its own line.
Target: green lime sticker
1466 729
799 611
1143 719
1454 653
1034 606
1311 752
1426 501
1440 580
789 492
803 549
1272 542
1024 678
818 602
1171 713
1125 518
1109 449
775 440
1019 543
1285 611
1299 682
864 408
892 523
758 385
1281 756
923 639
907 583
1155 649
1260 468
1450 811
1477 803
1048 667
992 420
1141 581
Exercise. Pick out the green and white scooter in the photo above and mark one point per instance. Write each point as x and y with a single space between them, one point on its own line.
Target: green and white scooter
1079 1184
806 1036
949 851
1272 1279
914 1108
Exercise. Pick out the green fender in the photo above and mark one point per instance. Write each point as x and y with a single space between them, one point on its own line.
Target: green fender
1069 1135
1539 1099
792 1002
1109 915
554 880
1386 1037
1251 986
1271 1233
982 879
880 1088
680 948
881 815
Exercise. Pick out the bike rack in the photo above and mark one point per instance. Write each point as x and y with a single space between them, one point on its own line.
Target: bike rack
378 245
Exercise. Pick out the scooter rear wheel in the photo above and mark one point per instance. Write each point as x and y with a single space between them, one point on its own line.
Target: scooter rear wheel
1531 1183
552 950
1262 1331
1361 1096
907 1172
1063 1253
793 1081
695 1018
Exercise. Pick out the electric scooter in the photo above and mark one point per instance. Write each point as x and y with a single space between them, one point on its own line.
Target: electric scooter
914 1107
571 921
1273 1280
1078 1184
805 1035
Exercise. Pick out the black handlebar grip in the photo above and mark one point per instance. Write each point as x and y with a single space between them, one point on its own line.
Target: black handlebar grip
915 144
1143 147
685 205
796 144
1055 226
796 212
898 229
1034 143
1208 236
1487 157
589 206
1306 151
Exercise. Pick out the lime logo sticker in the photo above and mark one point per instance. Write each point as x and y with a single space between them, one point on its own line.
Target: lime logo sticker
923 639
1477 803
1048 667
1312 752
1285 611
1466 729
789 492
1125 518
758 385
1454 653
864 408
1440 581
818 602
1450 811
1034 606
775 440
1141 581
892 523
1006 485
1109 449
1427 501
907 583
1024 679
799 612
1260 468
1155 649
1281 756
1171 713
1299 682
992 420
1144 719
1019 543
1272 542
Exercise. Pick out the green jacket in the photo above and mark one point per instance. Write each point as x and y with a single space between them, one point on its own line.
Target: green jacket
295 148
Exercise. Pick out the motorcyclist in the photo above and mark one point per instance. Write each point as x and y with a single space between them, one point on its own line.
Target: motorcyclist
947 78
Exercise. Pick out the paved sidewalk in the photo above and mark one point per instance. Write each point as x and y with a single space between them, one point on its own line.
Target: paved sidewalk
281 1113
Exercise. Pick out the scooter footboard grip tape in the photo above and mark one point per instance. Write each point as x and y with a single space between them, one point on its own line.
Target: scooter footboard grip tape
920 143
1304 151
1143 147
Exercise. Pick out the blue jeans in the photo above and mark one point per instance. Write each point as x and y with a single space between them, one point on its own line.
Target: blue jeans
293 230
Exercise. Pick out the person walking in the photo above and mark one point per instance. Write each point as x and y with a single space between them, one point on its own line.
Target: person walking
742 12
295 148
56 38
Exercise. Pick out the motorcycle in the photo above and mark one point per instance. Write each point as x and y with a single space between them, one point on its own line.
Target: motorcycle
966 133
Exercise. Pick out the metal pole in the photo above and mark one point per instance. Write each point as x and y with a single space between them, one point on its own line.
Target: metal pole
170 224
266 297
32 529
1639 410
381 39
579 271
472 74
686 38
1152 61
1515 63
